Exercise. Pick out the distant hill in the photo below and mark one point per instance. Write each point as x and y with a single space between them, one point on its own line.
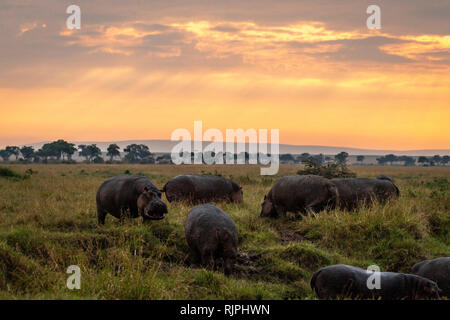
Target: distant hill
164 146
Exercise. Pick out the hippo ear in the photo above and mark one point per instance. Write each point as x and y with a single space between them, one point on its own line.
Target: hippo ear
147 191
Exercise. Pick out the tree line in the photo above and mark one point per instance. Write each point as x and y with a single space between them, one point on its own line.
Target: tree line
392 159
63 151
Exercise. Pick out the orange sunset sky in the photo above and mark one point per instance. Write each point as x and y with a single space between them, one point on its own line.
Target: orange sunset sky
312 69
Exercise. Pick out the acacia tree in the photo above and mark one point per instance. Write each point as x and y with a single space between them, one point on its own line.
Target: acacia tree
423 160
391 158
4 155
445 160
13 150
138 153
360 159
27 152
113 151
341 158
89 151
407 160
381 161
437 159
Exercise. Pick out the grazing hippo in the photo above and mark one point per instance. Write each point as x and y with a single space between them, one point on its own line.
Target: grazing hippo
343 281
211 234
299 193
356 192
129 196
202 188
437 270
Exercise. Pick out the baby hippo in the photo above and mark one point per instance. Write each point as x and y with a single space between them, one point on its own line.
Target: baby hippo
211 234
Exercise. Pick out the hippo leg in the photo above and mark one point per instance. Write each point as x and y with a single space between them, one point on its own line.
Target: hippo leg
101 214
281 211
194 257
208 259
315 206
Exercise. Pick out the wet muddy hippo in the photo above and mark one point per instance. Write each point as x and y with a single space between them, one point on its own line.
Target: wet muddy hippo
129 196
357 192
211 234
197 188
299 194
437 270
343 281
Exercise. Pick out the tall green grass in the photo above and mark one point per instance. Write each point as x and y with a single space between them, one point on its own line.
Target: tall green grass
48 222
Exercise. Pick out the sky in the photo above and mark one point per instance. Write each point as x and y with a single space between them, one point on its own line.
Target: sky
310 68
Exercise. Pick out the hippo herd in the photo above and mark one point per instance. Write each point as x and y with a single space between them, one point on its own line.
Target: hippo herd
212 235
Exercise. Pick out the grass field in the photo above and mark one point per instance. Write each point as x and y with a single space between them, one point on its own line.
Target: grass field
48 222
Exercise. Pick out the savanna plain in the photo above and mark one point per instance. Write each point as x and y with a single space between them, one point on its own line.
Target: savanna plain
48 222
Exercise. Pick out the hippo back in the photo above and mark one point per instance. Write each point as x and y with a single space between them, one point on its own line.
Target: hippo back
199 188
356 192
204 218
298 193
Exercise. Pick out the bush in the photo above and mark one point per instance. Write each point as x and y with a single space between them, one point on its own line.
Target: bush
98 160
10 174
329 170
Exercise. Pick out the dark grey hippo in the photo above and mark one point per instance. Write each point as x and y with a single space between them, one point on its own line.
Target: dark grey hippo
129 196
437 270
299 193
197 188
343 281
211 234
357 192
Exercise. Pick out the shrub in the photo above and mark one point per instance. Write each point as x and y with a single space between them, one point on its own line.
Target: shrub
329 170
10 174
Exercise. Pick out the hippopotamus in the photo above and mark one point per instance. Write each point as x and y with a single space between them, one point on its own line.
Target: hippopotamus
197 188
299 193
211 234
130 196
344 281
356 192
437 270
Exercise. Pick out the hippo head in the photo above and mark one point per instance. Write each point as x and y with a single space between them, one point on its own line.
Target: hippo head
236 195
428 289
268 208
150 204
